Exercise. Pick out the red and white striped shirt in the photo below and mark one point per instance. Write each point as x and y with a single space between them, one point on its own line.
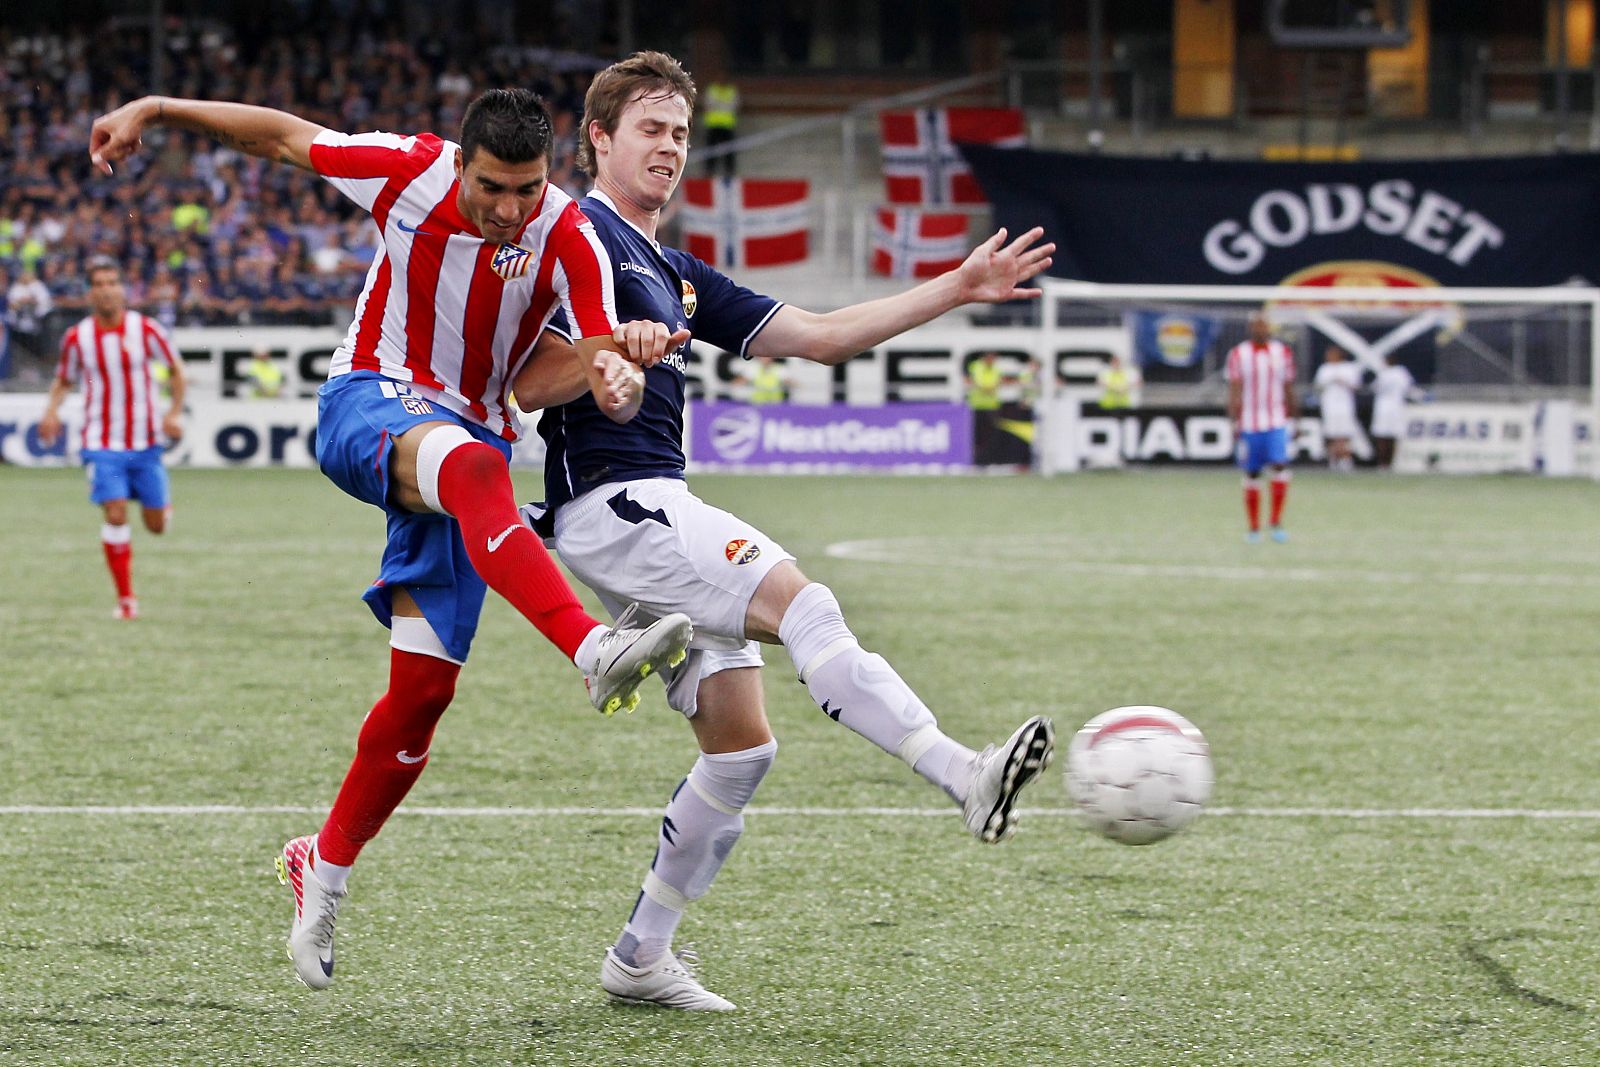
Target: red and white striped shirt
1263 371
119 394
451 313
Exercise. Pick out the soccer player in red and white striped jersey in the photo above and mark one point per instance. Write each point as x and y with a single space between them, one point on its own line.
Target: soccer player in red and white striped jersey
1261 403
478 251
110 352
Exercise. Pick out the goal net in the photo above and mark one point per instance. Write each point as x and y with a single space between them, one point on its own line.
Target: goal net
1505 378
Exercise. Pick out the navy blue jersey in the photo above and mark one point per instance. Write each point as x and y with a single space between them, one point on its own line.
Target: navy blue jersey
664 285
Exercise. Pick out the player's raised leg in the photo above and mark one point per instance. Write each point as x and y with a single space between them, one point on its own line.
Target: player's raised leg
440 467
859 689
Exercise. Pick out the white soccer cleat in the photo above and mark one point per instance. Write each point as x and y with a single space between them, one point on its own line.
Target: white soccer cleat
127 608
315 908
990 811
629 654
668 982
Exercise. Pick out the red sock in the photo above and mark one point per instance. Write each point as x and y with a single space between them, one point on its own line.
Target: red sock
475 488
1280 493
1252 504
120 559
391 751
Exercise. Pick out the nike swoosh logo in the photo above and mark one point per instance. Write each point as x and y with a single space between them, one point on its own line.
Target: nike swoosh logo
404 757
412 229
499 539
327 966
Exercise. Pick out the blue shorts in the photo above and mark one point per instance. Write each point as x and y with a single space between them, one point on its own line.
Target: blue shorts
1264 448
358 417
127 476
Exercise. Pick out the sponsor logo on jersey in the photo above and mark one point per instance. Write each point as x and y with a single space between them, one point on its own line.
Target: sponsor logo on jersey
510 261
739 551
629 265
691 299
416 405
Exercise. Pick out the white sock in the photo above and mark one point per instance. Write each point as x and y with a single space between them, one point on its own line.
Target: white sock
702 823
116 535
588 649
329 874
859 689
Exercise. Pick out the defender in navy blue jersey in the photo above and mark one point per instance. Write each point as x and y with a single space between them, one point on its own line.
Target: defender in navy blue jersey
626 524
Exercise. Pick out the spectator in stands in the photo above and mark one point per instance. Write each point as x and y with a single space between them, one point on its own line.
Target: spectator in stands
766 382
720 107
27 303
265 376
1119 384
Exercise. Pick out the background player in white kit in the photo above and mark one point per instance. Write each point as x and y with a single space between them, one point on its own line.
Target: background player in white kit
1261 403
1393 386
1337 382
110 351
477 253
626 524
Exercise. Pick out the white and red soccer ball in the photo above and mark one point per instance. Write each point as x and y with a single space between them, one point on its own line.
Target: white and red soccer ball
1139 774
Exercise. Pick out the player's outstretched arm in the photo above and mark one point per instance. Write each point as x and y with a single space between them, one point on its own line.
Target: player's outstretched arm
553 375
994 273
258 131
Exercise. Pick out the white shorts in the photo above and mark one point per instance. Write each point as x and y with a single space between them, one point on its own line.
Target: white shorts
1339 419
1388 419
654 543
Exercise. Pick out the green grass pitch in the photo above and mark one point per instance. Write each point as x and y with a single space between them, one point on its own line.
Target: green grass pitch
1419 644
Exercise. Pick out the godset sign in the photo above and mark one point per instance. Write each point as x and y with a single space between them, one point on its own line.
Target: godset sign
1518 220
1283 218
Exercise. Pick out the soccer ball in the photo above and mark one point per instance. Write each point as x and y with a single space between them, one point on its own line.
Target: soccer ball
1139 774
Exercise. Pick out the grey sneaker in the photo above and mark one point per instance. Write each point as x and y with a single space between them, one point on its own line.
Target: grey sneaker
990 810
668 982
629 654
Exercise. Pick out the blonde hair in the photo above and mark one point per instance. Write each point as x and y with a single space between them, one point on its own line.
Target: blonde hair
641 74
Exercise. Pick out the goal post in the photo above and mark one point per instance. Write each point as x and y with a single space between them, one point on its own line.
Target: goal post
1535 352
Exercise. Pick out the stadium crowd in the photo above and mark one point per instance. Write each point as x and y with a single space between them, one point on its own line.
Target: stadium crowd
207 235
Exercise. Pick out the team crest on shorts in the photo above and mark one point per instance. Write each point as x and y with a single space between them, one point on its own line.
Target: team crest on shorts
416 405
691 299
510 261
740 551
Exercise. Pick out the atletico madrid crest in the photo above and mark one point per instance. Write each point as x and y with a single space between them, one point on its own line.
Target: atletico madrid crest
510 261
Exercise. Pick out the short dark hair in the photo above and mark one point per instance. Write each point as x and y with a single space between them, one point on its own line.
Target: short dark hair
100 263
511 124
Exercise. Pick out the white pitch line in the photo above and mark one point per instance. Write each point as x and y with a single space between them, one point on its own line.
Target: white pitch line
20 810
905 552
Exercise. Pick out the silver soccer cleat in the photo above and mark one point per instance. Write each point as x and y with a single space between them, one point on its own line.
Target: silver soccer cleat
990 810
629 654
669 982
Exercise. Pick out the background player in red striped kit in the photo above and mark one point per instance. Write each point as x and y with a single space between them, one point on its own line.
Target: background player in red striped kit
110 352
1261 403
477 252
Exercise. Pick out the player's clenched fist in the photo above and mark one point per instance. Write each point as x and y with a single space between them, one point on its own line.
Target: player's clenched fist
624 386
117 135
648 343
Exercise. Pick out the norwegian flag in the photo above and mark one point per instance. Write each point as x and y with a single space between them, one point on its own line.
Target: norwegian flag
747 222
921 163
908 243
